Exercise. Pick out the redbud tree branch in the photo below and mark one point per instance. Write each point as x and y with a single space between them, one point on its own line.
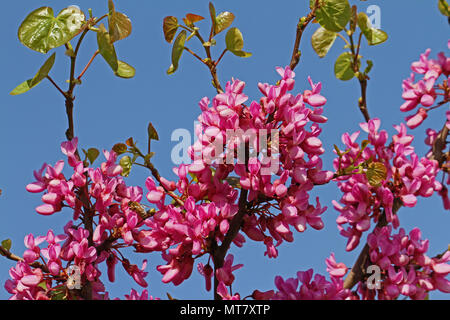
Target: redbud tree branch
439 145
208 61
11 256
301 26
362 77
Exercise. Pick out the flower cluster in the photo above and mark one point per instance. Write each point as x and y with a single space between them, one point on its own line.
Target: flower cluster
89 192
208 188
425 91
376 176
405 265
317 288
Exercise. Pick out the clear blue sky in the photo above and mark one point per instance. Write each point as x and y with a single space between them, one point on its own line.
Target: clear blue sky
110 110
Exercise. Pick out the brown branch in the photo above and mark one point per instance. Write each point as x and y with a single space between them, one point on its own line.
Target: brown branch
362 78
11 256
210 63
194 54
235 225
439 145
219 252
56 86
301 26
363 100
88 65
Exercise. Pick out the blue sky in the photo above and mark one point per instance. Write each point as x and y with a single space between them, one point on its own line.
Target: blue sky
110 110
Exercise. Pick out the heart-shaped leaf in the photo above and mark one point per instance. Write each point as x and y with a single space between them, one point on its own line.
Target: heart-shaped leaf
6 244
192 18
343 68
170 27
120 148
41 31
223 21
119 24
152 133
92 154
126 164
373 36
177 51
40 75
124 70
106 48
235 43
322 40
376 173
333 15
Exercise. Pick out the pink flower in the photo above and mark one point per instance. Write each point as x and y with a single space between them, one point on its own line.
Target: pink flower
335 269
313 97
223 292
225 274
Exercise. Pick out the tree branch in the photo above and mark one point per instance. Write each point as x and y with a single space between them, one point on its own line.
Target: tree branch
437 151
11 256
301 26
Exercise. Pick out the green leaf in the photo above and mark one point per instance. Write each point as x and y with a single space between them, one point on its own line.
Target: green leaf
40 75
223 21
6 244
125 70
120 148
92 154
170 27
119 24
212 12
376 173
373 36
235 42
41 31
106 48
152 133
338 152
444 8
343 68
322 40
44 70
126 164
177 51
333 15
21 88
369 66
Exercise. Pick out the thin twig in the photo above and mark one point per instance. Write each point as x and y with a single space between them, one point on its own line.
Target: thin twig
56 86
88 64
194 54
302 24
